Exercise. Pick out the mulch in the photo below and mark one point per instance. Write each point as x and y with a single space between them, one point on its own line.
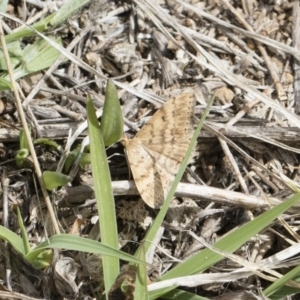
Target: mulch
246 52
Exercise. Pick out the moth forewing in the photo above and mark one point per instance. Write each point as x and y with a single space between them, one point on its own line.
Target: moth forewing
157 150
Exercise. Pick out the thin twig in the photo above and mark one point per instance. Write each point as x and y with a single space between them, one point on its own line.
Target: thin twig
5 183
280 91
27 134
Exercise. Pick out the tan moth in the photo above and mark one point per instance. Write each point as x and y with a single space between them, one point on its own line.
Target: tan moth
157 150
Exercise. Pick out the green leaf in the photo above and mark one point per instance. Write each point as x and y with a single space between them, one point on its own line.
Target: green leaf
278 287
104 196
71 159
43 260
229 243
21 157
48 142
54 19
23 232
76 243
5 85
26 32
53 180
23 153
37 57
15 53
68 8
141 290
13 239
44 257
85 159
46 56
112 124
23 140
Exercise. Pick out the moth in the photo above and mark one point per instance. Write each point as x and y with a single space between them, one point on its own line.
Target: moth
157 150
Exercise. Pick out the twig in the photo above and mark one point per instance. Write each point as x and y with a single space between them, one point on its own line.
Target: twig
234 165
280 91
5 183
27 134
296 63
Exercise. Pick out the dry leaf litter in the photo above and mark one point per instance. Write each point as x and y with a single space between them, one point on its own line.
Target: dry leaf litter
246 157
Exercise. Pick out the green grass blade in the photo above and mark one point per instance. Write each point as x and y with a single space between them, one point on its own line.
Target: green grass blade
15 53
229 243
39 26
77 243
104 196
68 8
278 284
23 140
36 57
5 85
182 295
54 19
112 119
23 232
13 239
46 56
141 291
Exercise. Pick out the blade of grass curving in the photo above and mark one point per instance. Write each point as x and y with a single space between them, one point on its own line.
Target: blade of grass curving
13 239
77 243
104 196
24 249
229 243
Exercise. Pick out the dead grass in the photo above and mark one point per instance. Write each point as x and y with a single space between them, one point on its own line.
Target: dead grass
247 157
